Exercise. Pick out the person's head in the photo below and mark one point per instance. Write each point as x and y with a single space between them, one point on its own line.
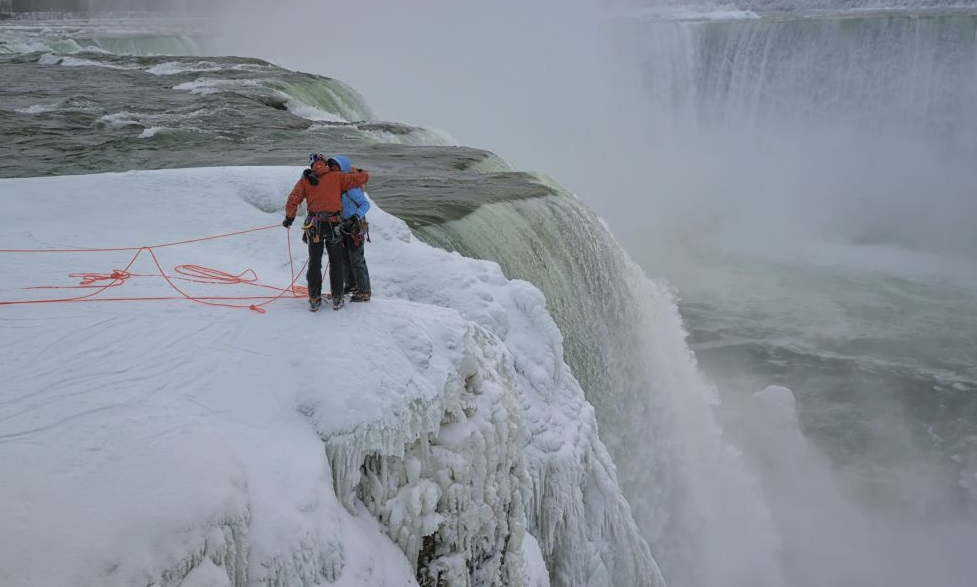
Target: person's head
316 157
343 161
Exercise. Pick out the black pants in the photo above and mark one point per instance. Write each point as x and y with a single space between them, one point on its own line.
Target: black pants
356 273
314 275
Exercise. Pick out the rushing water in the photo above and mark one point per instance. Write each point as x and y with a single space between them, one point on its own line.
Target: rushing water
812 198
841 262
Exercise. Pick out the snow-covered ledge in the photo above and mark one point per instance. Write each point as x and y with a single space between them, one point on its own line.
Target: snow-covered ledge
175 444
440 467
576 511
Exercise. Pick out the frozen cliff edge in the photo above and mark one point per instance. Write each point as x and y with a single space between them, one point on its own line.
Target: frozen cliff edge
181 444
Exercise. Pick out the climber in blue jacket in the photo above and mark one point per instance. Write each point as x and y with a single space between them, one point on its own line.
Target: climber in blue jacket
355 235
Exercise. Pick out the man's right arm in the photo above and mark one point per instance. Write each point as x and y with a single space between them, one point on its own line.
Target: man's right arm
295 198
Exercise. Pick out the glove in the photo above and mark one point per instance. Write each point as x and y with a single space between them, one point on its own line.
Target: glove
288 221
310 176
354 219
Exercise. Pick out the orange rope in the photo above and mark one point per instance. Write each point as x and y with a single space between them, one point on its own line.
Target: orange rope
198 274
188 273
86 250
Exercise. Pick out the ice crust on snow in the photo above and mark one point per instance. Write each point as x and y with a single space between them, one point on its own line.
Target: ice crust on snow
172 443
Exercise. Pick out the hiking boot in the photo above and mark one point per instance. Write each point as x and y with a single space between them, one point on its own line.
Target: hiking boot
346 292
360 296
337 304
314 304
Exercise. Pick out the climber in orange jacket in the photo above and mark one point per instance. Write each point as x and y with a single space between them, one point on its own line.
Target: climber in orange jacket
321 187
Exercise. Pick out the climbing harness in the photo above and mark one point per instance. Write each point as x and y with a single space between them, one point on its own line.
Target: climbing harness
359 231
319 226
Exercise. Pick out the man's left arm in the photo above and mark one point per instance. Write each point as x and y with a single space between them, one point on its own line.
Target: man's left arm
355 179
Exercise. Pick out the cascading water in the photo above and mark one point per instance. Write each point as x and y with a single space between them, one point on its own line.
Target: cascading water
836 124
889 74
785 161
700 510
809 190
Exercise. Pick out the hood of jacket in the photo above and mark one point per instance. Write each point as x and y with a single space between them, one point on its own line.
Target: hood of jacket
343 161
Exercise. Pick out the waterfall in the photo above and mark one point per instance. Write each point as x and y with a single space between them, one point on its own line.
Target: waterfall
846 127
892 73
698 507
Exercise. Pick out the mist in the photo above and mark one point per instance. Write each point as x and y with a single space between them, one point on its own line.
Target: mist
533 82
566 89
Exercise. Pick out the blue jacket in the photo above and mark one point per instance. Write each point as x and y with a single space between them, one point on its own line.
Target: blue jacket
354 201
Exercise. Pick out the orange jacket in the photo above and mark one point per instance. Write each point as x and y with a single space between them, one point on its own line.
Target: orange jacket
327 195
